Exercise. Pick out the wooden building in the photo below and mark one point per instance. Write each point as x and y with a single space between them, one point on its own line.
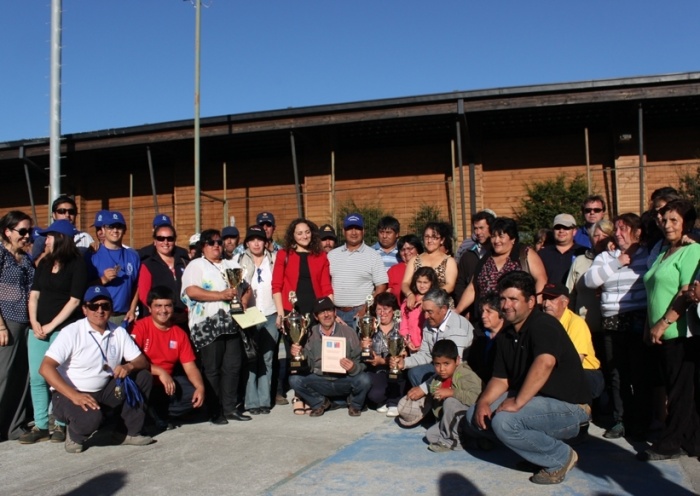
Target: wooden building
459 152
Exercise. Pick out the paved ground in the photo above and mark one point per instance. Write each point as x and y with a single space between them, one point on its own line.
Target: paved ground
282 454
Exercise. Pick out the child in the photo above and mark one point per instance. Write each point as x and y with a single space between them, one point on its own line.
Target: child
411 327
451 391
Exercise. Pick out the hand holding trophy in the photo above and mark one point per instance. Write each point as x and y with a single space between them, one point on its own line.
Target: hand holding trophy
234 278
367 326
297 326
395 344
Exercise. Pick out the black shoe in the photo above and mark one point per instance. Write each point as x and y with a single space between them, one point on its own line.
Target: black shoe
265 410
254 411
653 456
238 416
219 420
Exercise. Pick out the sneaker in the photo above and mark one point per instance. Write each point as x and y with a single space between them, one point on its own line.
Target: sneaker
392 411
35 435
137 440
382 409
72 447
615 432
59 434
557 476
439 448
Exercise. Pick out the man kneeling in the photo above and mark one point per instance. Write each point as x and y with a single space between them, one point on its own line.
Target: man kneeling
167 346
348 380
83 365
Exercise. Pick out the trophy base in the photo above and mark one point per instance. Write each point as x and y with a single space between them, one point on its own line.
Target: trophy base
236 308
366 355
298 367
393 375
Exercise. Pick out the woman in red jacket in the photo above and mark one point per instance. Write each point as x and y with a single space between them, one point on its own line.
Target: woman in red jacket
301 266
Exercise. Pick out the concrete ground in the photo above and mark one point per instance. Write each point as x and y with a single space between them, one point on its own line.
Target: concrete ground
282 454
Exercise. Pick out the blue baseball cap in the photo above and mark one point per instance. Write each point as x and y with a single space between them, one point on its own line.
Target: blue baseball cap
265 217
94 292
62 226
354 220
100 218
114 218
230 232
162 220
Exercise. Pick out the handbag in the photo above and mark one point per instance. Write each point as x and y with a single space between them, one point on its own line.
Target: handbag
249 345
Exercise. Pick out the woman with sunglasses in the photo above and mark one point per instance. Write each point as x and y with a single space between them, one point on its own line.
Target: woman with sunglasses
54 302
16 275
208 294
164 266
436 255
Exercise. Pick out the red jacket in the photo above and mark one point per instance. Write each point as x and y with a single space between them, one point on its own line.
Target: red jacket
285 275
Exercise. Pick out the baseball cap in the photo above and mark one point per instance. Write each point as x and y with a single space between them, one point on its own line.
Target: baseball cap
161 220
354 220
230 232
94 292
255 232
324 303
62 226
412 411
194 239
265 217
327 232
100 218
564 220
555 289
114 218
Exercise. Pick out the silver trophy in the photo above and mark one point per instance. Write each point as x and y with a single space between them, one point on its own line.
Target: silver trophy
297 326
234 278
395 343
367 326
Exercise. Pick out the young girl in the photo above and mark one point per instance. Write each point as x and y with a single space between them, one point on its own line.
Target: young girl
411 327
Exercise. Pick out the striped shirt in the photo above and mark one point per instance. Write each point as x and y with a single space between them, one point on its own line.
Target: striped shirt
389 258
355 274
623 286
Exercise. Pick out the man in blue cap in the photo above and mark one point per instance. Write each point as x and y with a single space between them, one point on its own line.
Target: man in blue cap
116 268
86 365
63 208
267 221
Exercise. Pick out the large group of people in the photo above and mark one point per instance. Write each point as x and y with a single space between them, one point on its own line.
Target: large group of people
505 341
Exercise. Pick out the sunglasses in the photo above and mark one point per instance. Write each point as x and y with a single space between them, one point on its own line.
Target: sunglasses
259 276
592 210
212 242
169 239
94 307
559 227
22 232
64 211
113 227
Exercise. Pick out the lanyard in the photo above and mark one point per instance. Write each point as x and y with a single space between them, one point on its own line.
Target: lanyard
106 366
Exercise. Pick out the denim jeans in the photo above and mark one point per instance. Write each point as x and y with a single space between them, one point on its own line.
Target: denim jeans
536 431
349 317
257 392
418 375
312 388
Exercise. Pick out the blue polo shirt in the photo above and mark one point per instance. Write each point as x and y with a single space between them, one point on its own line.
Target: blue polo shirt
122 287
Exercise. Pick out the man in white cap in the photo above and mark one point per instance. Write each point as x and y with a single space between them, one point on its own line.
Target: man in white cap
558 257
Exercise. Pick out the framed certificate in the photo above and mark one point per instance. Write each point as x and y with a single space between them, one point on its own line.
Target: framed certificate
332 350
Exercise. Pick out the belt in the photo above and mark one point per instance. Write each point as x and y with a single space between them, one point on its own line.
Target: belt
348 309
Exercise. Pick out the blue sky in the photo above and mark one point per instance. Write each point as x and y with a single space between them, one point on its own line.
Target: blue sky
131 62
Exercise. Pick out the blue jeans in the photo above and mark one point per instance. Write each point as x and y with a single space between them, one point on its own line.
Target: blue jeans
349 317
313 389
418 375
257 391
536 431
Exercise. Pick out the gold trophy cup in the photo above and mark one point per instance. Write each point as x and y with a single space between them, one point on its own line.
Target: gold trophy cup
297 326
234 278
366 326
395 343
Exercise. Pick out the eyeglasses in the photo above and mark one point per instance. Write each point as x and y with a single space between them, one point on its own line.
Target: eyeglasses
592 210
408 248
115 227
64 211
212 242
259 276
169 239
433 237
559 227
22 232
94 307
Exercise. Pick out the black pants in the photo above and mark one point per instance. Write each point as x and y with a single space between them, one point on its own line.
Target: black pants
176 405
221 364
680 359
82 424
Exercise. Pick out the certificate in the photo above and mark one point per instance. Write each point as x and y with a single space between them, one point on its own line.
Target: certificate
251 317
332 350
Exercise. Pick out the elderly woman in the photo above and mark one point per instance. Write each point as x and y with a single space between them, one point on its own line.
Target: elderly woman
409 246
164 266
618 274
507 255
208 294
16 275
666 283
54 302
435 257
482 352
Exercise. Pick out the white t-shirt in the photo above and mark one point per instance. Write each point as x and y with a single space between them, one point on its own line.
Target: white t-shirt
261 284
81 352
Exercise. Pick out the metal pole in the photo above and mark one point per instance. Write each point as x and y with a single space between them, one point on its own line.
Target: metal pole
29 185
153 180
296 174
588 161
131 209
453 203
333 189
461 181
225 199
197 49
55 104
642 187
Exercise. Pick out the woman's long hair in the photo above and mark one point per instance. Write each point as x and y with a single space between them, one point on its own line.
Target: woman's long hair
314 244
63 252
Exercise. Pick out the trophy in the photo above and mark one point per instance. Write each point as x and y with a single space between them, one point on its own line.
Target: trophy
367 325
395 343
296 328
234 278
